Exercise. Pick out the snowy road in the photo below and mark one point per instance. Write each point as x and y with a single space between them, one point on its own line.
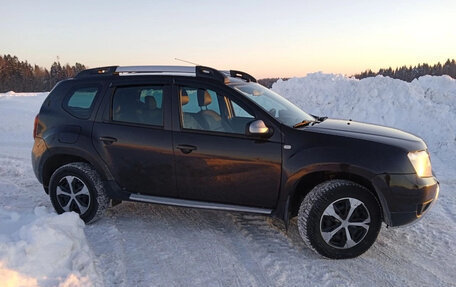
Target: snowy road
149 245
182 247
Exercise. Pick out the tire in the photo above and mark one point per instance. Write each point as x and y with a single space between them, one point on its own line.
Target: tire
86 195
336 211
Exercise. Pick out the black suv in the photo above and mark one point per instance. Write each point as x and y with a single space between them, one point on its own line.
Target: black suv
204 138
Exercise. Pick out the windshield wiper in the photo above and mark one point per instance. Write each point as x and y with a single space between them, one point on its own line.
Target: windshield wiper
319 119
302 124
307 122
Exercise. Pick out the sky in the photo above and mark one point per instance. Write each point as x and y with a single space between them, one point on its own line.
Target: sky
263 38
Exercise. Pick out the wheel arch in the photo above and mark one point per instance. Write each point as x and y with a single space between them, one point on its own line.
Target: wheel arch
304 182
57 158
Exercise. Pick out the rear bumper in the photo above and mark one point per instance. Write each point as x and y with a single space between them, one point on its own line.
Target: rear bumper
39 147
405 198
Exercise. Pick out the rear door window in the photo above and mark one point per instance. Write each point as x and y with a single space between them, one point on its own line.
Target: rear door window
138 105
80 102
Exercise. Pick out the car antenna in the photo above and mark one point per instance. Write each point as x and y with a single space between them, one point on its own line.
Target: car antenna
185 61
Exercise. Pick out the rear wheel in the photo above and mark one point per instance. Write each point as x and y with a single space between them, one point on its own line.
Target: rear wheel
78 187
339 219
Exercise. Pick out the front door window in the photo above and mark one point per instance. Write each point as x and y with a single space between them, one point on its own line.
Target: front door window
207 110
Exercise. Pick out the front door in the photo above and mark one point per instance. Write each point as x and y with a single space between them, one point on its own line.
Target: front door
135 139
215 160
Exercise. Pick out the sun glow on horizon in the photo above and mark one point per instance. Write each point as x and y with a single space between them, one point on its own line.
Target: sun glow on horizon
262 38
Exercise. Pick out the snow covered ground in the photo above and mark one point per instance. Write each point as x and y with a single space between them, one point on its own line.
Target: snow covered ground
148 245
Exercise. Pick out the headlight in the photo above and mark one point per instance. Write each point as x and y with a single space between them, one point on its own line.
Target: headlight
421 163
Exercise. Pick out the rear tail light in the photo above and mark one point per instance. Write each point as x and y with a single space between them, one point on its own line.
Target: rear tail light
35 126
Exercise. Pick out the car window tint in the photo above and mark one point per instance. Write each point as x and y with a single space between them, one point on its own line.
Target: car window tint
157 94
193 105
140 105
207 110
80 102
240 112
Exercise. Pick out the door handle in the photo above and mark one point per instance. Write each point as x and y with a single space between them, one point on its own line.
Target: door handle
108 140
185 148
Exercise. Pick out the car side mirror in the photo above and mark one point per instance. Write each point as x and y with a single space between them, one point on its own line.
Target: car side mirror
259 128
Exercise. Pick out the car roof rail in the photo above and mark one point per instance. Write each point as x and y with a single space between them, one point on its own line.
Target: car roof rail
242 75
208 72
101 71
155 69
198 71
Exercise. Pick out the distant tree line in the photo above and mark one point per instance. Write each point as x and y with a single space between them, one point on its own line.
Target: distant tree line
410 73
20 76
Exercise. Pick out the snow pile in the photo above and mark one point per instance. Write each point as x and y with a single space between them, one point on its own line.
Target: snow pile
441 90
44 249
425 107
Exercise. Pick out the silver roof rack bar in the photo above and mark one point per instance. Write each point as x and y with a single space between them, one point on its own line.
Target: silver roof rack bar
155 69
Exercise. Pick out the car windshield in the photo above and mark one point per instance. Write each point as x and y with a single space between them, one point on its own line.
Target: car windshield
274 104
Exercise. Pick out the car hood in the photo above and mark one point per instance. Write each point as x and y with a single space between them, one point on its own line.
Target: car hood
368 132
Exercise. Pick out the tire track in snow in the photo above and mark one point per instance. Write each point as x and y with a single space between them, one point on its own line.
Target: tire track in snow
409 261
168 246
106 243
276 253
230 236
288 262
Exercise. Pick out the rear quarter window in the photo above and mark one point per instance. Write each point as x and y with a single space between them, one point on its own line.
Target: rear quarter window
80 101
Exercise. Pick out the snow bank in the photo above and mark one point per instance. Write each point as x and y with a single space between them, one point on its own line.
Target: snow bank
425 107
441 90
38 248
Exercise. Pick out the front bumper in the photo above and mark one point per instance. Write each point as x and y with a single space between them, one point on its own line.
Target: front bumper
405 197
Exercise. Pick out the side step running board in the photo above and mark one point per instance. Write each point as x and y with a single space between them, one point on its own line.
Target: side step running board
197 204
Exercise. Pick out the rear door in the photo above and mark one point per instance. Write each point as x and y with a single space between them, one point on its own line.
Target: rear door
215 160
134 137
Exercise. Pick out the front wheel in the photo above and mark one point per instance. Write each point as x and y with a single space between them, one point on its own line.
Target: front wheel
78 187
339 219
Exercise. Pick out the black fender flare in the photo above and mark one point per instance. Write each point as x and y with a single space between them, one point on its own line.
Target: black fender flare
98 164
350 172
